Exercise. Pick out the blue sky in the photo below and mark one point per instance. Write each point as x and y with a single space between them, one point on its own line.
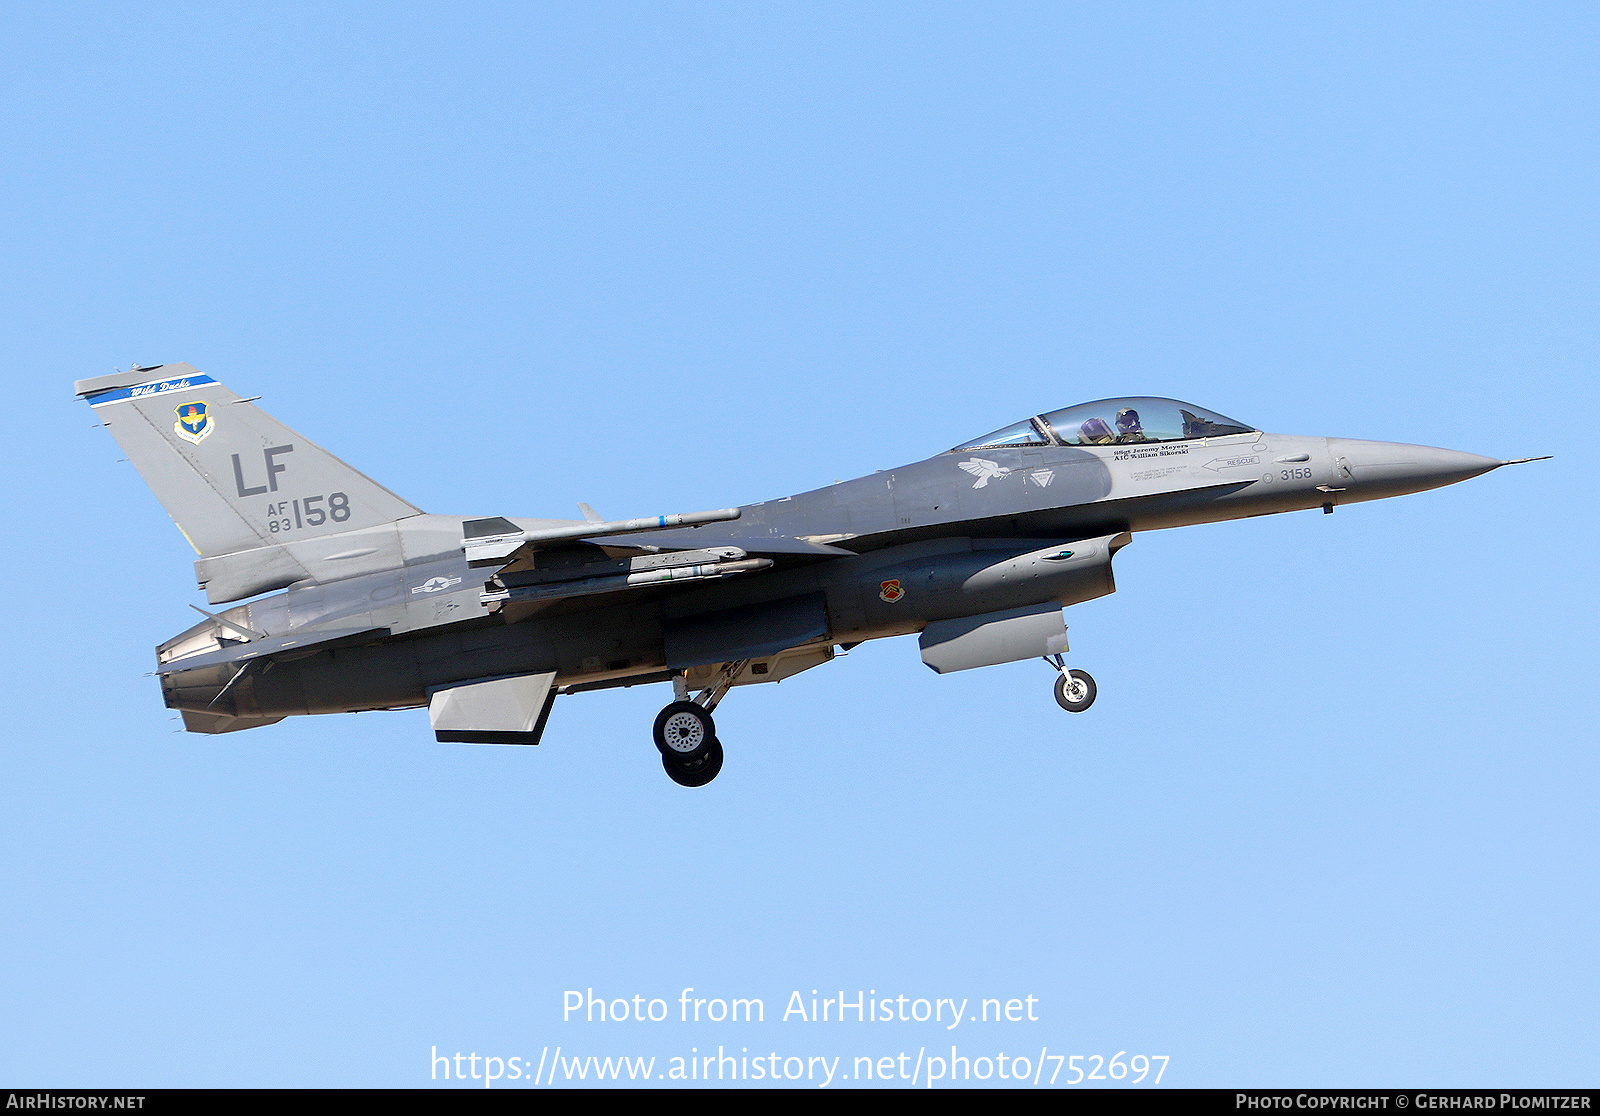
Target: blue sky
1331 820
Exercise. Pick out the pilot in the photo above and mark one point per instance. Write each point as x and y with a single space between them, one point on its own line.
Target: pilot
1128 427
1095 432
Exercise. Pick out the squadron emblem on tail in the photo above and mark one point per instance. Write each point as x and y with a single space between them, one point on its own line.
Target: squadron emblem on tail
194 422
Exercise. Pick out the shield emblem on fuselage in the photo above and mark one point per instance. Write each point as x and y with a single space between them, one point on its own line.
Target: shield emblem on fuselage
194 422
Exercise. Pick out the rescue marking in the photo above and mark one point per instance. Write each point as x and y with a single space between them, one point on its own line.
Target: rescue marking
1233 462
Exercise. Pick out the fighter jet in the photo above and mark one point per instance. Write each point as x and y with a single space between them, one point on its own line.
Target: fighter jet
359 600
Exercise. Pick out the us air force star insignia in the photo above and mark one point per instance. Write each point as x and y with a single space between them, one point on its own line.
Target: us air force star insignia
984 470
890 591
194 422
435 584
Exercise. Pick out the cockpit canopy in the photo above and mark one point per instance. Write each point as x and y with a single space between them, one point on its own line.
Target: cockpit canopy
1109 422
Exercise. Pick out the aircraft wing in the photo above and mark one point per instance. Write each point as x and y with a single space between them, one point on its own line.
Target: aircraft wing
498 541
592 558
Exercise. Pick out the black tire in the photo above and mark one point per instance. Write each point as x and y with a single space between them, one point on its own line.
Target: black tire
1082 702
698 772
684 730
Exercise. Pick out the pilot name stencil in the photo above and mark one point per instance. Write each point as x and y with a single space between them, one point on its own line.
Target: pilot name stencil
1149 451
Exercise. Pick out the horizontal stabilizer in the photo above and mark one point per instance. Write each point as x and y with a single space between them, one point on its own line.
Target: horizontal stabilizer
213 723
319 639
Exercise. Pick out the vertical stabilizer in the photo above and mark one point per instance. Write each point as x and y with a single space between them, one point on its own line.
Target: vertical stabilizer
231 476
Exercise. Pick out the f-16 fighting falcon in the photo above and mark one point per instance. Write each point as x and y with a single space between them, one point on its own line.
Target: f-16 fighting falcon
376 604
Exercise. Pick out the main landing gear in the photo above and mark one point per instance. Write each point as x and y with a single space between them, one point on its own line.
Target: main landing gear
687 739
685 734
1074 688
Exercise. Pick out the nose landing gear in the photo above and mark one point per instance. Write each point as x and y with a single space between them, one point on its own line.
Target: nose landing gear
685 734
1075 689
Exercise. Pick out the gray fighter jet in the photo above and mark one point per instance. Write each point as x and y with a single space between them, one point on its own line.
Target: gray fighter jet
486 620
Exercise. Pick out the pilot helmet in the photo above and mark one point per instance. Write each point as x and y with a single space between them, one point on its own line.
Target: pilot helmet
1128 421
1095 432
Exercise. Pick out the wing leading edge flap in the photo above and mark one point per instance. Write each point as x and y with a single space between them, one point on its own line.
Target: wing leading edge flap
324 639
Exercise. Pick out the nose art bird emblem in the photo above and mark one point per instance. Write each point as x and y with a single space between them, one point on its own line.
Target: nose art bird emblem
984 470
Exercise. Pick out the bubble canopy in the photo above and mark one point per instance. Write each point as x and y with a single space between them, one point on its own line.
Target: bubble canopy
1113 422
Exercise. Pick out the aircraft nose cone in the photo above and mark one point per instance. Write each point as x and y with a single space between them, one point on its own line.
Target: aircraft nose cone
1376 469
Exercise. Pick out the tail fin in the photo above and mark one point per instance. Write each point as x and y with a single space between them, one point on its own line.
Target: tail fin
230 475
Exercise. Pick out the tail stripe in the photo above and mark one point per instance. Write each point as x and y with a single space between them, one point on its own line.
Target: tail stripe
153 387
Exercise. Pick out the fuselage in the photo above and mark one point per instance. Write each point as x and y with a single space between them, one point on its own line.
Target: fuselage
965 532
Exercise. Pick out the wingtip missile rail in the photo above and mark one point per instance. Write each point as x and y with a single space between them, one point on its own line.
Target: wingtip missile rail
707 571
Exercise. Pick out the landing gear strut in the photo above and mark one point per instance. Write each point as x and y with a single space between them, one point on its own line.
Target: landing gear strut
1075 689
685 734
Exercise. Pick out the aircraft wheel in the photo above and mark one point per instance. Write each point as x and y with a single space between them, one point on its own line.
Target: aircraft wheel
1075 690
697 772
684 731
